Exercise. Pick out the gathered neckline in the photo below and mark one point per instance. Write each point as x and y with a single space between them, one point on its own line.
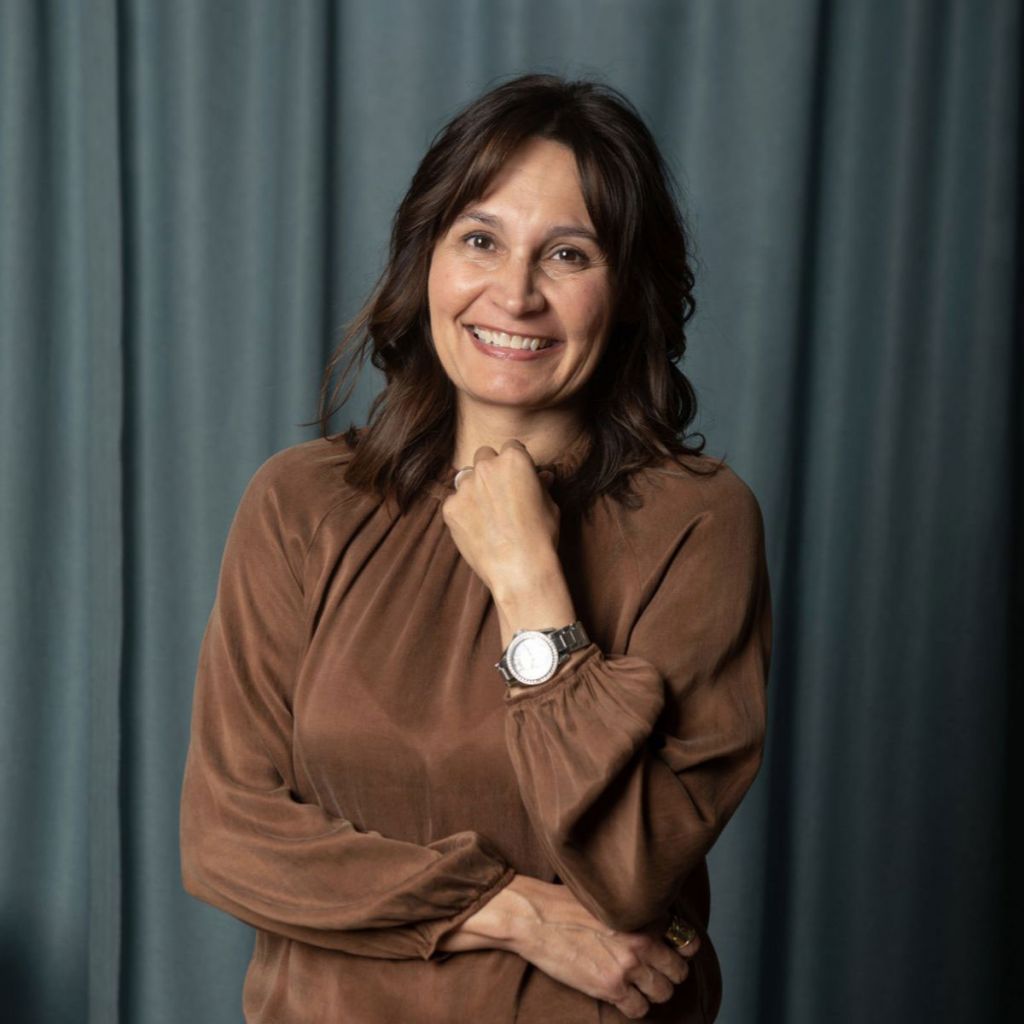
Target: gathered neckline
563 465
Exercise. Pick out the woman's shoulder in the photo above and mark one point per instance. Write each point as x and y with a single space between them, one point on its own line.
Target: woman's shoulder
696 512
680 492
308 463
302 483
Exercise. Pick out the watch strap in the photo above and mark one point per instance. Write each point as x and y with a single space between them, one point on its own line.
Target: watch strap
568 639
565 638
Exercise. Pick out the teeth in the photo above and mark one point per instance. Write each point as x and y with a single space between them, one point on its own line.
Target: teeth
503 340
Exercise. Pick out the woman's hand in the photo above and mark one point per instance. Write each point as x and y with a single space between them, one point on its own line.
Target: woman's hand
630 970
502 518
546 925
505 525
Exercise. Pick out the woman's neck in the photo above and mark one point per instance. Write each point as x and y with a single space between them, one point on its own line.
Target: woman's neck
546 436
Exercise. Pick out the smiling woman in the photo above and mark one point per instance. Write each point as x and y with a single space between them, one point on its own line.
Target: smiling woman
485 678
549 195
520 318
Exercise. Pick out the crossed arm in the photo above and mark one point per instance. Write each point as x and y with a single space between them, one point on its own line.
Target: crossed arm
660 743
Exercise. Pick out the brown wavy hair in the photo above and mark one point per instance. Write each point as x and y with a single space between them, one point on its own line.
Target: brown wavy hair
638 403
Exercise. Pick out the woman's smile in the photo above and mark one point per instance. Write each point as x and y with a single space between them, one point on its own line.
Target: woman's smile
516 347
519 289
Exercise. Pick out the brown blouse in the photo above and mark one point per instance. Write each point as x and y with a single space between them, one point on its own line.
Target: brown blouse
360 779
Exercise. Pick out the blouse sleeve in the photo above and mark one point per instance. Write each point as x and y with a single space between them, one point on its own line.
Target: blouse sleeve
630 765
249 845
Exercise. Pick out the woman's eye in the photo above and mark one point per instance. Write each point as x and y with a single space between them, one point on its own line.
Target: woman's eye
567 254
484 240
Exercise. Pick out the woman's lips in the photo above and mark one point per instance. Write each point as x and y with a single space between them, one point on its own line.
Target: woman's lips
515 354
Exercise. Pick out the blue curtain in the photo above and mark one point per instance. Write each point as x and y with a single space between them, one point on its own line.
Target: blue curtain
194 199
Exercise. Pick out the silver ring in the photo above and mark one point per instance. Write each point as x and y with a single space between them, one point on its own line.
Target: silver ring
465 469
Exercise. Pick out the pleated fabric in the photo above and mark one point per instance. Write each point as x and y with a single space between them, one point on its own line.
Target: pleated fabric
360 780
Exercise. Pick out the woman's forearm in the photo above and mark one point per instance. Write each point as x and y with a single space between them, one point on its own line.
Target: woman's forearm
546 925
503 922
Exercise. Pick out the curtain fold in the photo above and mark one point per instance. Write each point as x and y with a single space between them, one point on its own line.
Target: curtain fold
194 200
61 510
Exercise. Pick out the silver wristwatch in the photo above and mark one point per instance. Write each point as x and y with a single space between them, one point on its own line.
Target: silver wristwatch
533 655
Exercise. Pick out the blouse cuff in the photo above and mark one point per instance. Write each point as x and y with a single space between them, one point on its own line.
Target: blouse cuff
435 931
568 670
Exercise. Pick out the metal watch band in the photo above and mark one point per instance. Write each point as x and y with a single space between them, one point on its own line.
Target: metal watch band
568 639
565 638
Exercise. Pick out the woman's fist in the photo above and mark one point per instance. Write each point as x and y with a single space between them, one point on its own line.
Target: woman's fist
501 517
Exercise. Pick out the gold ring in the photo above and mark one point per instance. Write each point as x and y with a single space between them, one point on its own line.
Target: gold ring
465 469
680 934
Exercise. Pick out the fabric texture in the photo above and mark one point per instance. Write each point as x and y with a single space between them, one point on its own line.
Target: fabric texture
360 779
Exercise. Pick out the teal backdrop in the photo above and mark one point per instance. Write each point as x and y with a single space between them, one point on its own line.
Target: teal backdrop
194 199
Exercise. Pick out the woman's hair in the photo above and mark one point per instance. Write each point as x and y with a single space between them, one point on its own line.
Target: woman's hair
637 404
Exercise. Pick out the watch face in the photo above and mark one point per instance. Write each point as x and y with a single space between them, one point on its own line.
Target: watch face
532 658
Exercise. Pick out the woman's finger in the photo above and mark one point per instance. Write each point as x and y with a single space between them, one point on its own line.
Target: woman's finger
632 1005
652 983
485 451
673 965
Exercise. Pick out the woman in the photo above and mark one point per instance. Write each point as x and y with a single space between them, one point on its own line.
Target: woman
484 679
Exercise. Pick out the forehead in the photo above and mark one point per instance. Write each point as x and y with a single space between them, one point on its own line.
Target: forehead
539 181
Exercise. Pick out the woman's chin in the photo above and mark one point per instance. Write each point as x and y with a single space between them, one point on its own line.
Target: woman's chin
502 393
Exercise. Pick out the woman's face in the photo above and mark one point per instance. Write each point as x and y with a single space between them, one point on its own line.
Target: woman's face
523 260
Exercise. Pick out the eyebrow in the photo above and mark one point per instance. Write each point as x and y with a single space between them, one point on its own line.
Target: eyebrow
558 229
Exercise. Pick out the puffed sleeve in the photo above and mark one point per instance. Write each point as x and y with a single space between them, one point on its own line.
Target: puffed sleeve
249 845
631 764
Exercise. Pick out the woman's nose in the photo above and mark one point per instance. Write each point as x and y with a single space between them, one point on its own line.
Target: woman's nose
516 287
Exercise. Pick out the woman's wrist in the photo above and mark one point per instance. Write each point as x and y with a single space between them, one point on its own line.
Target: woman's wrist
504 922
535 600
